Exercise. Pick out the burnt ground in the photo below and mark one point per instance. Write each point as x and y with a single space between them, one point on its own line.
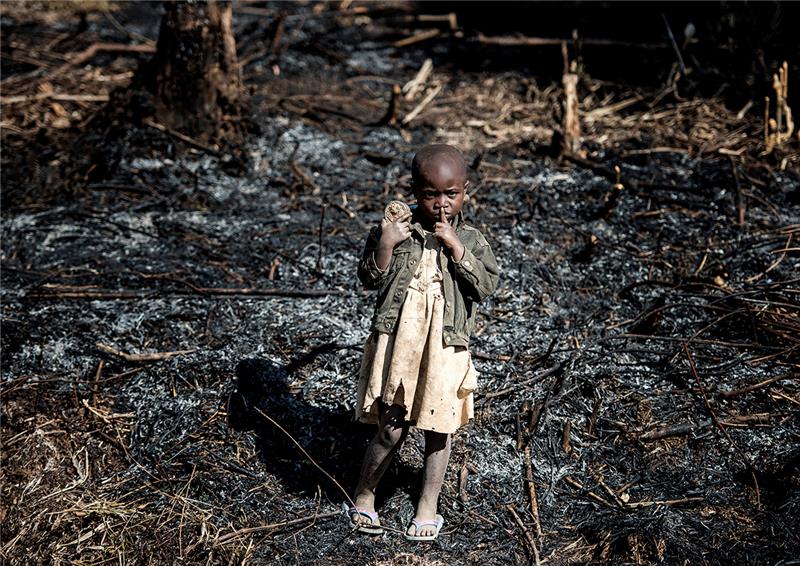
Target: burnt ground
638 361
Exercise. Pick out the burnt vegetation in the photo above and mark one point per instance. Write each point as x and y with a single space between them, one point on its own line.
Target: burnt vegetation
181 330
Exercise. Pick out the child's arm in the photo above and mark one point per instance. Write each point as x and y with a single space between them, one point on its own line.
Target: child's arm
477 269
476 266
377 256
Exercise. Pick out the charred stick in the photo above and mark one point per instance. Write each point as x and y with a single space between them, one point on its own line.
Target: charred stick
600 169
610 199
536 415
754 387
530 380
684 340
636 504
541 406
571 124
490 357
565 440
530 544
674 45
544 357
616 498
518 427
183 137
390 118
682 429
738 196
235 468
280 26
627 486
96 380
534 500
592 495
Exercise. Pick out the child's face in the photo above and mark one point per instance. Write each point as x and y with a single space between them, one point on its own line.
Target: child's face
443 186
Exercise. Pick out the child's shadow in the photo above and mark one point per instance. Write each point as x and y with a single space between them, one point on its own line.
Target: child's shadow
330 436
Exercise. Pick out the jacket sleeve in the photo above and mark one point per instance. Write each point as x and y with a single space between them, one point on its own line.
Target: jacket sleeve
477 271
370 275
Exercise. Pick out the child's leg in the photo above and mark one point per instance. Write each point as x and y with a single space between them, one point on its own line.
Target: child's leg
392 432
437 456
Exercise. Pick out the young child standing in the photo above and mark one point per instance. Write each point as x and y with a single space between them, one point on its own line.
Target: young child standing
430 270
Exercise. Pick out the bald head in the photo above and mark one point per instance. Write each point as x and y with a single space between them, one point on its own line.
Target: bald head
437 162
439 180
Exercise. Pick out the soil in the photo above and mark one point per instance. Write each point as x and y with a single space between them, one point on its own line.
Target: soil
181 336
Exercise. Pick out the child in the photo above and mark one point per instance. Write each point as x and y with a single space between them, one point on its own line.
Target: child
430 270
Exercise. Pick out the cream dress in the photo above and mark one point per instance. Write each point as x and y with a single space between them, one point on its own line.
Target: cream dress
412 367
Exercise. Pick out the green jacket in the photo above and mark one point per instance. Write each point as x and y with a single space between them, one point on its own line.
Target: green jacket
465 283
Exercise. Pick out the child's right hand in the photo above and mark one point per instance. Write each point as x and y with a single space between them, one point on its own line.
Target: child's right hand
392 233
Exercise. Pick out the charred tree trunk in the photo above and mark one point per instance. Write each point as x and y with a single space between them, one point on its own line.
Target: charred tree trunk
194 75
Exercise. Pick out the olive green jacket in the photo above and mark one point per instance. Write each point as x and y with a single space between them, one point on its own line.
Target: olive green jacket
465 283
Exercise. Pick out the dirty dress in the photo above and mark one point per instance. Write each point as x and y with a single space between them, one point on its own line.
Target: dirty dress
412 367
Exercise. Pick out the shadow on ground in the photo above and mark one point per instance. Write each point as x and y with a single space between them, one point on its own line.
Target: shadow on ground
332 438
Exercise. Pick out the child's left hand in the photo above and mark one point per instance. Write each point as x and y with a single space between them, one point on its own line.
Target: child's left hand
447 235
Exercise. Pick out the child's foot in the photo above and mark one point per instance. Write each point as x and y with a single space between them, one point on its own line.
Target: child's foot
363 520
421 530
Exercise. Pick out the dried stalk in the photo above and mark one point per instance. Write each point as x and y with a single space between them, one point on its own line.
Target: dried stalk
153 357
530 543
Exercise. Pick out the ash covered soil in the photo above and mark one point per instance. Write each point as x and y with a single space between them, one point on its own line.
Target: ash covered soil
641 356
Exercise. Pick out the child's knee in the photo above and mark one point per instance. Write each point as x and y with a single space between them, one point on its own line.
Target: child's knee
389 435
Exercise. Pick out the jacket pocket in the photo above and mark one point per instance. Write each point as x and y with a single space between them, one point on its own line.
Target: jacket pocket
470 381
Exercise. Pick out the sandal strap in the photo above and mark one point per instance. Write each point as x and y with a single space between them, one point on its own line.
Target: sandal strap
419 524
371 515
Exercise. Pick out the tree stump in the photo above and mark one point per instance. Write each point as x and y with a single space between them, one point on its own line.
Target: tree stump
571 122
194 75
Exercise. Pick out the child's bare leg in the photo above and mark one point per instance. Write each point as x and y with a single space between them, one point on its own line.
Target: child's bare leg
437 456
392 432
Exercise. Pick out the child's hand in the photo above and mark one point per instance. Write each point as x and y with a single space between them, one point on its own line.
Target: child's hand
447 235
392 233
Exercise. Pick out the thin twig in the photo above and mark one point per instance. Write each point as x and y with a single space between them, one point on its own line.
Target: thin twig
95 48
273 526
153 357
755 386
307 455
421 106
